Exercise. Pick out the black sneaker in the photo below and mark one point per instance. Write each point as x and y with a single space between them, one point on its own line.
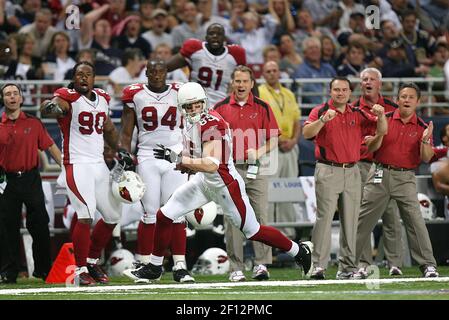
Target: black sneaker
304 256
183 276
97 273
145 274
138 264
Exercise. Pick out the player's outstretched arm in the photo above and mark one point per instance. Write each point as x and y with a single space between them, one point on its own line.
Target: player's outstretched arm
176 62
54 108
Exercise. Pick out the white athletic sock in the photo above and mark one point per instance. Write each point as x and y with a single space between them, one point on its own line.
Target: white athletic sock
156 260
293 250
178 258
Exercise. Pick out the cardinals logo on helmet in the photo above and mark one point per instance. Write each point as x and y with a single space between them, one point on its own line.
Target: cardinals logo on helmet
199 214
425 203
115 260
222 259
124 193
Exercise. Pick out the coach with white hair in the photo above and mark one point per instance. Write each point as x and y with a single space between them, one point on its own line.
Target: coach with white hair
371 84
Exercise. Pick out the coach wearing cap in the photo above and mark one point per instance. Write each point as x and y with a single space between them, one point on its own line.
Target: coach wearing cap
21 136
337 129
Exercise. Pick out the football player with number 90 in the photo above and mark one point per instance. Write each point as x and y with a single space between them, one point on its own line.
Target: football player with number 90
82 114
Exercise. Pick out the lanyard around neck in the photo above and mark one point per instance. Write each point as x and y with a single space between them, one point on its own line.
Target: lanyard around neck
273 94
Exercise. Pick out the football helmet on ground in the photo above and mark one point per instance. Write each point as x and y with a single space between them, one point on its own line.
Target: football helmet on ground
119 261
212 261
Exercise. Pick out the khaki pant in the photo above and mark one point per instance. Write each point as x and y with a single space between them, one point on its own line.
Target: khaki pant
391 229
285 212
401 186
257 190
336 187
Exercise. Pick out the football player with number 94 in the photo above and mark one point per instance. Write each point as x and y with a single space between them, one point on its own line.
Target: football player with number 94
152 109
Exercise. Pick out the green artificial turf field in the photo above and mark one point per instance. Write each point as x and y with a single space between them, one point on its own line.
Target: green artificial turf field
284 284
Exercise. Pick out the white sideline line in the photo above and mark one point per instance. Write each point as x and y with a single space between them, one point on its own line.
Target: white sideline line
298 283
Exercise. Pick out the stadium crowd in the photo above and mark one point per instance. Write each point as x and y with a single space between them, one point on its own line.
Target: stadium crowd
205 41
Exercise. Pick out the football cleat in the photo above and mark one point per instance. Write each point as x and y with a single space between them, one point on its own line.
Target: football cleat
304 256
83 278
138 264
145 274
97 273
180 273
260 273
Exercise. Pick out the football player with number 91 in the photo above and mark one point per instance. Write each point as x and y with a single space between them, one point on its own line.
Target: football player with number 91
216 180
82 114
152 109
211 62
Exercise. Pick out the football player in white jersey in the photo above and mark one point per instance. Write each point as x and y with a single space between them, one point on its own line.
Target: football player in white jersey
211 62
216 180
82 114
152 108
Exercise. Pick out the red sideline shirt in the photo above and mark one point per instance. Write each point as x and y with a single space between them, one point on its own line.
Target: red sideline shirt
401 146
339 139
388 105
256 122
20 141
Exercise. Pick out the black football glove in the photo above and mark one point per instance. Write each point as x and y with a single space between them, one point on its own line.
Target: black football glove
53 108
167 154
126 160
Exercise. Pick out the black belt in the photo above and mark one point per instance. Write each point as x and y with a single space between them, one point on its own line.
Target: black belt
19 174
366 161
334 164
390 167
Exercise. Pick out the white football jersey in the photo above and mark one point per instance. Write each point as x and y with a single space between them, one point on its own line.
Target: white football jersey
82 127
212 72
158 118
